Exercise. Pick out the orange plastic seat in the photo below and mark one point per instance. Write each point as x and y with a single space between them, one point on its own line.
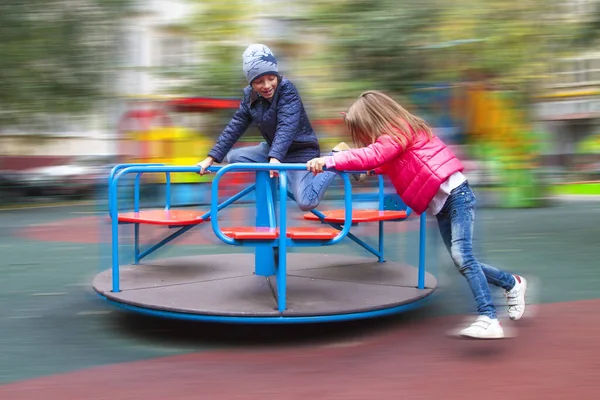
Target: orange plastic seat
294 232
358 216
251 232
163 217
311 233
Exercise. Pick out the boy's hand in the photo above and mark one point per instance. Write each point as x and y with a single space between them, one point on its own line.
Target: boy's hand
207 162
316 165
273 161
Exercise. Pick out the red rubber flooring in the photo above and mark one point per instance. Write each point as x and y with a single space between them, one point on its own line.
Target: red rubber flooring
556 356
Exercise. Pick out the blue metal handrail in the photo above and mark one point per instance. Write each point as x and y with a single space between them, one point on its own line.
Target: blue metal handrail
116 174
281 168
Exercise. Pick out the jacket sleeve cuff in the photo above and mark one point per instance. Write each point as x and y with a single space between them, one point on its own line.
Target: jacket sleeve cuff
330 162
216 156
276 155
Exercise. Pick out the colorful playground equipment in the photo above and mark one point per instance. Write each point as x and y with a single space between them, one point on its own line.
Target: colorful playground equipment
271 285
149 134
495 133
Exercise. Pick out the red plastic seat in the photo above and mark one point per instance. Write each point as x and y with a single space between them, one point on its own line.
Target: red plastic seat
163 217
311 233
358 216
251 232
294 232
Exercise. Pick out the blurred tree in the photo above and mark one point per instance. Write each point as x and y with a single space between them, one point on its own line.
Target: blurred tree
590 29
514 42
390 45
55 56
220 27
373 43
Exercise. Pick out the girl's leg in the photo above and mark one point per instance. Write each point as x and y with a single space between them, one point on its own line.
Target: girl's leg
498 277
493 276
455 221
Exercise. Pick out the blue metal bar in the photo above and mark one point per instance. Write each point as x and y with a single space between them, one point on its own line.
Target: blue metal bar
116 173
214 199
136 243
187 228
270 203
269 167
380 257
166 240
264 260
168 191
230 200
355 239
136 226
364 245
119 167
381 189
112 208
136 192
351 236
422 237
281 268
275 319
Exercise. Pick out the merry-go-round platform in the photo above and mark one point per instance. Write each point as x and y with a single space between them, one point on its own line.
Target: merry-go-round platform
271 284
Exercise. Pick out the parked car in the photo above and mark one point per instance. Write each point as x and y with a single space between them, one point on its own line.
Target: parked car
78 178
10 188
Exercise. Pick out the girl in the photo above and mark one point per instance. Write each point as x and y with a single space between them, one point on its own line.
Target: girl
427 176
273 104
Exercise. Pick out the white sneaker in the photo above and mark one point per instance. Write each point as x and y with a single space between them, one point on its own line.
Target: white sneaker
484 328
515 298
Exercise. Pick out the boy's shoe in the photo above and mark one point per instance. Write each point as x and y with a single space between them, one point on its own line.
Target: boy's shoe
515 298
483 328
342 146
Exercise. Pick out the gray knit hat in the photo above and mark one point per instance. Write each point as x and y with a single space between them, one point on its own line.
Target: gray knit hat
258 60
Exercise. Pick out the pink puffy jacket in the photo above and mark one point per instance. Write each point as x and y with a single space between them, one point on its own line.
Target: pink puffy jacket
416 173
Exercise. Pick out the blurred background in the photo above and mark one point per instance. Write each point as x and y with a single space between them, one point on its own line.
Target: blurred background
513 85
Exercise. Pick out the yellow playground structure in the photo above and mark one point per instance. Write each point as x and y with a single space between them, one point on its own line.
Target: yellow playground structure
496 133
148 133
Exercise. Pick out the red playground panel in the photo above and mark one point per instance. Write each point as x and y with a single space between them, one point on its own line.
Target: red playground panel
295 232
358 216
163 217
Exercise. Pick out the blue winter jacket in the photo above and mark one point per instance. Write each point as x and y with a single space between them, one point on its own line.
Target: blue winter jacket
282 122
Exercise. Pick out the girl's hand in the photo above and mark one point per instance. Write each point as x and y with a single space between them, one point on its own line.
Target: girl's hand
207 162
273 161
316 165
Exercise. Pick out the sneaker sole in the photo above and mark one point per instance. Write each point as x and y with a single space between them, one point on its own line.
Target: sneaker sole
482 338
510 332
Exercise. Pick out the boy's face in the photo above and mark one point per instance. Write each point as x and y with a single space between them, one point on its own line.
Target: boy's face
265 85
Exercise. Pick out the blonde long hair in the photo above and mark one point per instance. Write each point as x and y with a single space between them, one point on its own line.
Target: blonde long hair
374 114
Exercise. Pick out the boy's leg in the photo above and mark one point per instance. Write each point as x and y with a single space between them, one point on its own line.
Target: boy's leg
309 189
249 154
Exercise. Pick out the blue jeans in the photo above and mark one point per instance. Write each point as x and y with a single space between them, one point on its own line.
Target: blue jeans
455 221
308 189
